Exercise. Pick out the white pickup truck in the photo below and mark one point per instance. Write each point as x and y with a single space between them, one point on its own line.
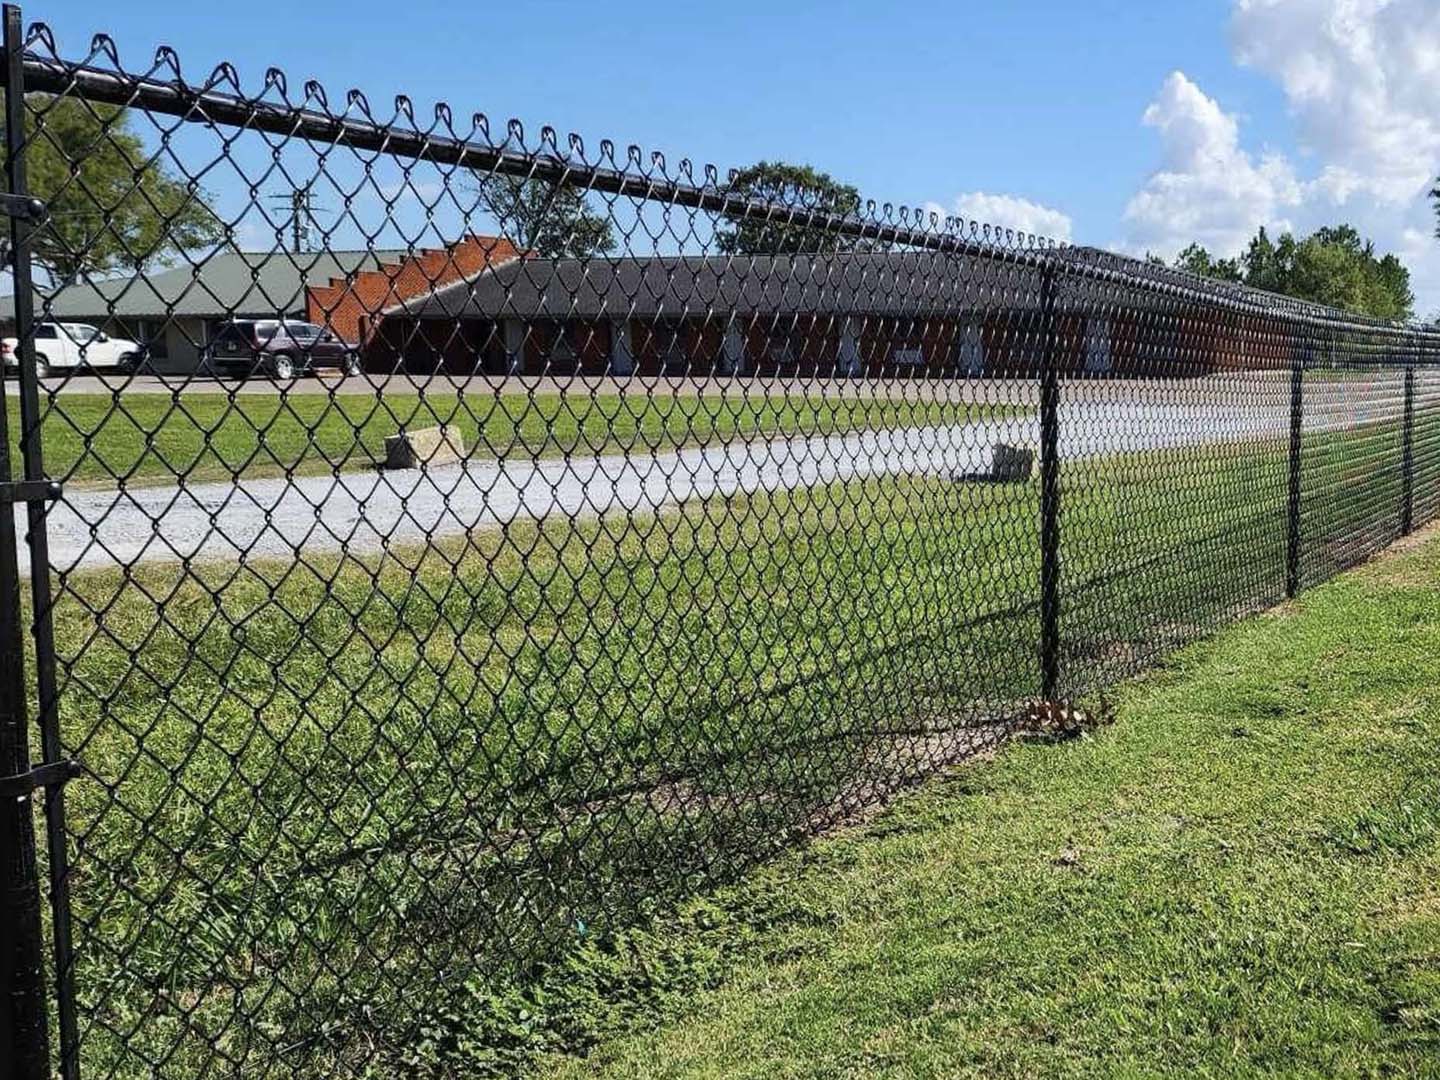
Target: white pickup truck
74 347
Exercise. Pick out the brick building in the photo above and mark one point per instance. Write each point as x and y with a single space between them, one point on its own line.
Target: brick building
893 314
479 305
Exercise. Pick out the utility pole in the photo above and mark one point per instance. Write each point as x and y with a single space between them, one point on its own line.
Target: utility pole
302 214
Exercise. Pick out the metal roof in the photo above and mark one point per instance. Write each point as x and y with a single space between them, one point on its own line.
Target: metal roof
255 283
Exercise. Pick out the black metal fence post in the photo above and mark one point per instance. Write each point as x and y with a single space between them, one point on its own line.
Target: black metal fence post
40 490
1298 357
1049 492
24 1037
1407 449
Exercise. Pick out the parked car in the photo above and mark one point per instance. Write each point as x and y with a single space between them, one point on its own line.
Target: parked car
277 349
74 347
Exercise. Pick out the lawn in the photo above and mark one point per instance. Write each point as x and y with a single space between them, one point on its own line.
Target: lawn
349 812
1236 878
150 438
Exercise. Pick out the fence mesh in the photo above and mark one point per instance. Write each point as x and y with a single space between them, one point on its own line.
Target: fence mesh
725 509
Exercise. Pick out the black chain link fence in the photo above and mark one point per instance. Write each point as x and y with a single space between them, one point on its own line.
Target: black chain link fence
720 515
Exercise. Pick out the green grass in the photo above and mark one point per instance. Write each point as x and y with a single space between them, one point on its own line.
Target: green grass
347 812
148 438
1238 878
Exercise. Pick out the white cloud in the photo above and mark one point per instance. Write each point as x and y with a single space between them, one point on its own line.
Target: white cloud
1007 212
1362 79
1419 249
1208 188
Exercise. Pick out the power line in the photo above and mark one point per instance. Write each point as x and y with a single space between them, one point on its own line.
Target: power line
302 216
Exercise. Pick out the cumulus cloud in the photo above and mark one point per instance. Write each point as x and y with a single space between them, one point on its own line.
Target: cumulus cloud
1208 188
1419 249
1362 79
1007 212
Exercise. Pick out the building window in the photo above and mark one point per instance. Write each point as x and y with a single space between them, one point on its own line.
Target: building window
151 334
780 351
907 357
1097 346
970 351
674 358
563 358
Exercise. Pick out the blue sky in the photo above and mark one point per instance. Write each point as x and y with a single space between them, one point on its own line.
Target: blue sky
1126 124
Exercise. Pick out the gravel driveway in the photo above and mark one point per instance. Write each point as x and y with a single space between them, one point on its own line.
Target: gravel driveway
362 512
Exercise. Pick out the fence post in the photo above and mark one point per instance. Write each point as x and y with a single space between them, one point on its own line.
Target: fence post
24 1038
1298 355
24 1053
1407 449
54 770
1049 492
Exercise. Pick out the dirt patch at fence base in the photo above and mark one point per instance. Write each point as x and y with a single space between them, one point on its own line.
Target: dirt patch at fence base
902 762
1390 565
1411 541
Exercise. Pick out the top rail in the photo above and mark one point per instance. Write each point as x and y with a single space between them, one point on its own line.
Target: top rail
207 105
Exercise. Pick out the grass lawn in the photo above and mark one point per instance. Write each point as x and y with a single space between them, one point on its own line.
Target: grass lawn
358 812
1238 878
150 438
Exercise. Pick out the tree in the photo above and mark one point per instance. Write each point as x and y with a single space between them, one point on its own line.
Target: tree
111 204
1197 260
1334 265
797 188
1267 264
546 219
1337 266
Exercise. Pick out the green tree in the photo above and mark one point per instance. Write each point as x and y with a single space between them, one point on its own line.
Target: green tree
1267 264
111 204
1197 260
1337 266
552 220
1334 265
798 188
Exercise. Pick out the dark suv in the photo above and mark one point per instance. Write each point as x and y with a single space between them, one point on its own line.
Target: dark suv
276 349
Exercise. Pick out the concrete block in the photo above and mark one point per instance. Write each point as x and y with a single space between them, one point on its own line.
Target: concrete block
1012 464
1008 465
424 448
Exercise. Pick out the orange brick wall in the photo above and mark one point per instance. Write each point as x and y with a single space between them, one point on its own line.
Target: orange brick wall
350 306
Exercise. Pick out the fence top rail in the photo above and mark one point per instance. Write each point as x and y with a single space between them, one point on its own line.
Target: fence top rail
220 101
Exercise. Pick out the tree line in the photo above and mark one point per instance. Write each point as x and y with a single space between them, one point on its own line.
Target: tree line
1334 265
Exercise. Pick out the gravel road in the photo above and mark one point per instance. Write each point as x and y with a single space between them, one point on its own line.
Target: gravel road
363 511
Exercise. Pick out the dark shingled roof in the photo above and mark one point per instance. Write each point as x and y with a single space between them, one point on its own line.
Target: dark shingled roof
903 283
907 283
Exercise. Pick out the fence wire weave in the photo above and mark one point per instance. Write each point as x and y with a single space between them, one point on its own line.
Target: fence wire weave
721 514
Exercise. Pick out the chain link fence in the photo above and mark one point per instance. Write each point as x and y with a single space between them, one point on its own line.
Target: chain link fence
437 544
